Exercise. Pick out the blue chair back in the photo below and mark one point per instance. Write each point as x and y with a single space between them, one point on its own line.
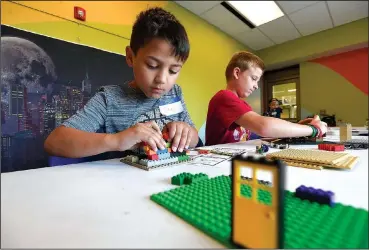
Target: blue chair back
58 161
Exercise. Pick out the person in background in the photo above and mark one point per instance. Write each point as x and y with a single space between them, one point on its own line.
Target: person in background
231 119
274 110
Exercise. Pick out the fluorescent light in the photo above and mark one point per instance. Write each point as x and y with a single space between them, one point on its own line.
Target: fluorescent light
257 12
291 90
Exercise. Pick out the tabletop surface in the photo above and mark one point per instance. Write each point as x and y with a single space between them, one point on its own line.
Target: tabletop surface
106 204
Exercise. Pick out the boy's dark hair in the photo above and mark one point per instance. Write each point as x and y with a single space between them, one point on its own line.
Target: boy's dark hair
243 60
159 23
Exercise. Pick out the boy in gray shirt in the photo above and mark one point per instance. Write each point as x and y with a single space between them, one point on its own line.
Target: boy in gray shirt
139 110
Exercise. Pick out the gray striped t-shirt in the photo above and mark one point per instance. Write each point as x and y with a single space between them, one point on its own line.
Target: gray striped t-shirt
115 108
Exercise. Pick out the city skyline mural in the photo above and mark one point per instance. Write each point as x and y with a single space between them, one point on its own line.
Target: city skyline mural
44 81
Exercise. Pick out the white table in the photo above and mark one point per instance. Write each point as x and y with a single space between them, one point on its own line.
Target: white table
106 204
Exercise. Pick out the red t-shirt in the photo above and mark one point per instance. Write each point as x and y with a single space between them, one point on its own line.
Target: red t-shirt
224 109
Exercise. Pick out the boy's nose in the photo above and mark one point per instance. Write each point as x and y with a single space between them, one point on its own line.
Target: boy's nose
160 78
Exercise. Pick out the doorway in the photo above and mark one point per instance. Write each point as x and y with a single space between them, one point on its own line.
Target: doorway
285 86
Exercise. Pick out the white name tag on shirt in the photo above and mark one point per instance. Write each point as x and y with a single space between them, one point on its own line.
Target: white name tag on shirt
171 109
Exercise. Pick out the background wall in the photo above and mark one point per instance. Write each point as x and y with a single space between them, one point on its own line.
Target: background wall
108 27
338 84
333 70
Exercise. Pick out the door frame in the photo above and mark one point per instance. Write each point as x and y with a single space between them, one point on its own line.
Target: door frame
283 76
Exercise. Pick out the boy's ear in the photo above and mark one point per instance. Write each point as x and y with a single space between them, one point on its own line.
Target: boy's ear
236 73
129 56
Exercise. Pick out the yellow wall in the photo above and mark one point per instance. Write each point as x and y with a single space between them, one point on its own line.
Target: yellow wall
323 88
316 44
108 27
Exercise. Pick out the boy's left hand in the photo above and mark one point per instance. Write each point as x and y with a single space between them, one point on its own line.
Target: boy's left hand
180 134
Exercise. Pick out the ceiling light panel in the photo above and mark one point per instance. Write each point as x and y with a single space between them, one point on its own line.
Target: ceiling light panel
257 12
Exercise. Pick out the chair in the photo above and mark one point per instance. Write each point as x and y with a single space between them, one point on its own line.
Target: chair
59 161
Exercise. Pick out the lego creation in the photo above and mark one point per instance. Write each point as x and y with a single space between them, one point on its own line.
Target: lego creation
188 178
331 147
315 195
345 132
207 205
315 159
147 159
256 224
260 149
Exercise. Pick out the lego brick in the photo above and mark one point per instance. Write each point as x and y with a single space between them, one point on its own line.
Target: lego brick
345 132
162 151
207 206
164 156
331 147
315 195
188 178
153 157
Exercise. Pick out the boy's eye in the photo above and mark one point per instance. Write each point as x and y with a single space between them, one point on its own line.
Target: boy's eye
172 72
151 66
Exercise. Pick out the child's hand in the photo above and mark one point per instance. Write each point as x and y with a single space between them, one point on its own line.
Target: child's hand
148 132
180 134
318 123
305 121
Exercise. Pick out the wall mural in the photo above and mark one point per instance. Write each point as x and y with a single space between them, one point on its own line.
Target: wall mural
44 81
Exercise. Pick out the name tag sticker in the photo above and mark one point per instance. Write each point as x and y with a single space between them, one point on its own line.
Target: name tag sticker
171 108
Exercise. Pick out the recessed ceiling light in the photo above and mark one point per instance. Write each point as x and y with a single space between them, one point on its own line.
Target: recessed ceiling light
257 12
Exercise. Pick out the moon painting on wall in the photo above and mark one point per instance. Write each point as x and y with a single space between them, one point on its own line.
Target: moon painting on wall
44 81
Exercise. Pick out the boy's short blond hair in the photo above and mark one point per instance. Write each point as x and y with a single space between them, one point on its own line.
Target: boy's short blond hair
243 60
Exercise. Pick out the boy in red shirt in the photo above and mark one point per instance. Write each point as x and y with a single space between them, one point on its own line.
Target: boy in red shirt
231 119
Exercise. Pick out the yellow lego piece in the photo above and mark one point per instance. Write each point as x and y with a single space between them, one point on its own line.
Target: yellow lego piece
254 224
345 132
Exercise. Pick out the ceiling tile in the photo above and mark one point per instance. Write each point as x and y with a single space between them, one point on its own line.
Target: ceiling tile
291 6
347 11
224 20
312 19
280 30
254 39
198 7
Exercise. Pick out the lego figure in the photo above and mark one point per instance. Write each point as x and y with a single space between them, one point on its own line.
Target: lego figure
274 110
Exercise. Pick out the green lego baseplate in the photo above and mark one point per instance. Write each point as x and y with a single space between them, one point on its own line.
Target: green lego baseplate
207 206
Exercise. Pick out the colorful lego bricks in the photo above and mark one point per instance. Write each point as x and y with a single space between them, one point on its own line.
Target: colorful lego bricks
260 149
207 206
188 178
331 147
148 159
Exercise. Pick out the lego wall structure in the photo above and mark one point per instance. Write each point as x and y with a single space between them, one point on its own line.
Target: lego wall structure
338 84
108 27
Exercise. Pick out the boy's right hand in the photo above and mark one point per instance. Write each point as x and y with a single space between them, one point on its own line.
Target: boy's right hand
318 123
130 138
